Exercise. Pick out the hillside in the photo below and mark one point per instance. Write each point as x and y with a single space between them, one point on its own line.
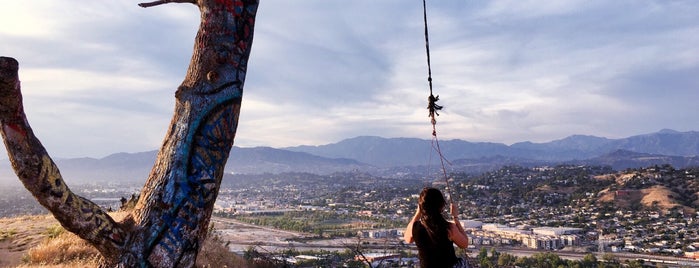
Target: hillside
626 193
39 241
655 196
655 188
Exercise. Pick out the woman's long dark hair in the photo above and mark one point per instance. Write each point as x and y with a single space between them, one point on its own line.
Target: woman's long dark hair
432 204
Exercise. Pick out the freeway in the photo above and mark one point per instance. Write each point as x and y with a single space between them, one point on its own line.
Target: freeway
668 261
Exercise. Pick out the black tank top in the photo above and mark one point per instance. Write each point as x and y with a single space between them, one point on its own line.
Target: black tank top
433 254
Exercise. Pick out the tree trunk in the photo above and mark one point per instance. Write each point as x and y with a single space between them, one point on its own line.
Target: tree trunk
171 217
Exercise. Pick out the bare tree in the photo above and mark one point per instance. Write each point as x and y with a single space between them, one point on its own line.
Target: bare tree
358 251
170 220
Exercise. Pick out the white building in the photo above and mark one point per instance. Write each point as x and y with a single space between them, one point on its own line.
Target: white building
556 231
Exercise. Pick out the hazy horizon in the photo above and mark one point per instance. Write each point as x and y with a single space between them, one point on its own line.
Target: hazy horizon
4 155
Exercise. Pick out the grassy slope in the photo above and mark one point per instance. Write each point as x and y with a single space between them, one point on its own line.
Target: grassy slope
39 241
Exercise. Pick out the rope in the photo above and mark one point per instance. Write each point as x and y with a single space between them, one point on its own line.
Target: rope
432 99
433 109
432 105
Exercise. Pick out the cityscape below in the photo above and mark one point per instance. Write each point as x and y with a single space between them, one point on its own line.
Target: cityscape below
636 214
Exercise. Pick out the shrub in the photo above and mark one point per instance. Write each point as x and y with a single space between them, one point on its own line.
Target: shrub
6 234
54 231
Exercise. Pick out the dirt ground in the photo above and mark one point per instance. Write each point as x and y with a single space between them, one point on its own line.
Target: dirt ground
240 236
20 234
243 235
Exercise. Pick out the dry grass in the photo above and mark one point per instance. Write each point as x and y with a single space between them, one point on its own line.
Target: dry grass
64 248
605 177
656 196
606 196
19 235
215 254
42 242
68 250
662 196
7 234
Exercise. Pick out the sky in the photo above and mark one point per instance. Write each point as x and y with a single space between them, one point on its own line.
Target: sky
98 77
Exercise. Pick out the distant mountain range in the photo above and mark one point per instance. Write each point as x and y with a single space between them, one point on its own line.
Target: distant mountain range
407 151
390 156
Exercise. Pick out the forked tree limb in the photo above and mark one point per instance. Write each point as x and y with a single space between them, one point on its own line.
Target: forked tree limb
41 177
171 217
160 2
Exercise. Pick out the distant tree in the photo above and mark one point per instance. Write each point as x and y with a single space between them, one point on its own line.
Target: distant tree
610 260
358 250
483 259
482 254
634 263
494 255
524 262
589 261
547 260
169 222
505 259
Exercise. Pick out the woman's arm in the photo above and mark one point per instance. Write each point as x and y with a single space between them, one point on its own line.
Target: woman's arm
457 234
408 234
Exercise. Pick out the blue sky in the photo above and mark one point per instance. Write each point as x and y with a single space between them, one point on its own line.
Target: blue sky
99 77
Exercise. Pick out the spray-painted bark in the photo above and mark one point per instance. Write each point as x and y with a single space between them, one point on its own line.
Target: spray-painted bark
172 215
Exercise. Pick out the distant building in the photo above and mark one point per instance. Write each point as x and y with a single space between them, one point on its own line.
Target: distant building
374 257
542 242
471 224
365 213
266 212
538 238
556 231
384 233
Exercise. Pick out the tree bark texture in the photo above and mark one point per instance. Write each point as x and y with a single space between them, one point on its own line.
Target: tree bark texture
172 215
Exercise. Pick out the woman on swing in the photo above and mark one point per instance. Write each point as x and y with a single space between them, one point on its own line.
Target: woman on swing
433 235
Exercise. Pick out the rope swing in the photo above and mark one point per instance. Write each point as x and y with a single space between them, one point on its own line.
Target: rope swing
433 107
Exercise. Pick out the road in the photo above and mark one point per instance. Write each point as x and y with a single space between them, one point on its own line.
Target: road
666 260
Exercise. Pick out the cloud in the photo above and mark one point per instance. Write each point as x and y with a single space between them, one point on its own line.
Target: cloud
324 70
99 78
550 73
318 60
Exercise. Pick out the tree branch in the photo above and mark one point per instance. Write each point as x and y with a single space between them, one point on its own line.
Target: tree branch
357 250
160 2
41 177
178 197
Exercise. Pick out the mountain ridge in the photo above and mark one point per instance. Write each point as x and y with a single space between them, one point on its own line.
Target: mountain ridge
574 147
387 156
